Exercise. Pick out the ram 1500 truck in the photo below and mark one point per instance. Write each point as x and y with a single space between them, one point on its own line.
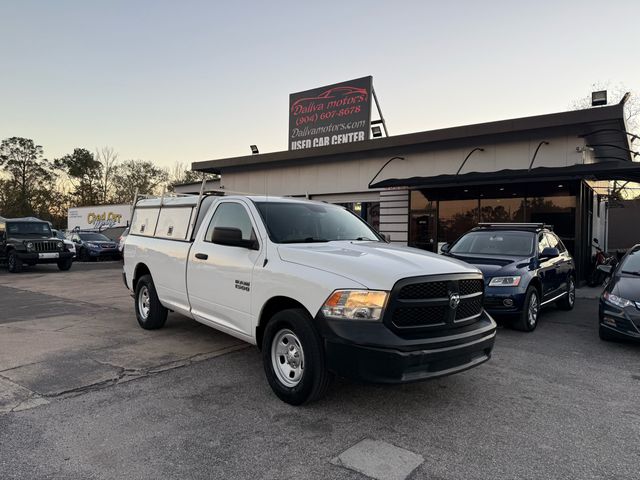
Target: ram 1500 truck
318 290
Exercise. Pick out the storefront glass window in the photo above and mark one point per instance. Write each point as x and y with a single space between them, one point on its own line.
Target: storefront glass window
502 210
456 217
422 222
560 212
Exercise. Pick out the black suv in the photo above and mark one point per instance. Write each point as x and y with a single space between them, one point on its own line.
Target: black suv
28 241
525 266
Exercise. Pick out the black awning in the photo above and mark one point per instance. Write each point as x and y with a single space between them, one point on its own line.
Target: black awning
609 170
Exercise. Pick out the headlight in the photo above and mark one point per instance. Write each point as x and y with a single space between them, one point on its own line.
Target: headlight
616 300
60 246
29 246
92 245
504 282
355 305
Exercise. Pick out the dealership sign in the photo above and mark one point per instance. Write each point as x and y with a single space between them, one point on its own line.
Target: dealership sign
331 115
100 217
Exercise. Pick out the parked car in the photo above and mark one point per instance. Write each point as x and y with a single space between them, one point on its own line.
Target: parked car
94 246
620 300
68 243
315 287
29 241
122 238
525 267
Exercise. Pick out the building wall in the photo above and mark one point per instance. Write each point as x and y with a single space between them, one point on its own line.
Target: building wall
311 177
624 225
394 215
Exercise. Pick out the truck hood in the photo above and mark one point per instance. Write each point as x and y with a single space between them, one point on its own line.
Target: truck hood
376 265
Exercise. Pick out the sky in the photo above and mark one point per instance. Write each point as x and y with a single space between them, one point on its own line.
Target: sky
187 80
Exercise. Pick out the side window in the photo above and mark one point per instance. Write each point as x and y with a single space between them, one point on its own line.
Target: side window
554 242
542 242
231 215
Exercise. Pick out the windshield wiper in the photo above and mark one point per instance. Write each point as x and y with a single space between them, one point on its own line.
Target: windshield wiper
363 239
306 240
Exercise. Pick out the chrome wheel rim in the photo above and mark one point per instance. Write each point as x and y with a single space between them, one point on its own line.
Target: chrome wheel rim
144 302
532 314
287 358
572 291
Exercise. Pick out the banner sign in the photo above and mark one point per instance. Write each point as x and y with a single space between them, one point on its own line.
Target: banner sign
330 115
99 218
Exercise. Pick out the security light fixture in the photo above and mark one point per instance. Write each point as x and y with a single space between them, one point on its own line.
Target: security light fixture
598 98
376 131
254 149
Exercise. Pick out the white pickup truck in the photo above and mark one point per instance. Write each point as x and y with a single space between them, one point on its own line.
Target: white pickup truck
319 291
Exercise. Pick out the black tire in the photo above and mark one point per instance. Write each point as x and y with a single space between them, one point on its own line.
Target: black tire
14 263
569 300
525 322
65 264
605 334
154 314
314 379
83 255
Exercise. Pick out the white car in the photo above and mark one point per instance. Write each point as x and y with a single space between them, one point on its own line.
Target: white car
68 243
313 286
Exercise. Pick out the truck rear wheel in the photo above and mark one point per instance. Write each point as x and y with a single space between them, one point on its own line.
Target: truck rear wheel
14 263
151 314
293 358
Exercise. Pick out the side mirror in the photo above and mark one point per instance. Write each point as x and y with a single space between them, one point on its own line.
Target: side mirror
386 237
549 252
445 248
232 237
605 268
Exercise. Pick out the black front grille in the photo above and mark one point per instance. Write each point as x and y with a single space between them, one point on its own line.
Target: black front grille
429 302
46 246
419 316
424 290
469 287
469 307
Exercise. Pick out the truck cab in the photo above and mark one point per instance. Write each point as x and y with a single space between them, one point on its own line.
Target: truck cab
318 290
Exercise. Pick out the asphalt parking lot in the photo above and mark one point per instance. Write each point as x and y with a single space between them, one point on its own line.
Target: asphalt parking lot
85 393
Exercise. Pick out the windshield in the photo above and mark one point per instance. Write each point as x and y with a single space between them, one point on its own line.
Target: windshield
631 262
41 229
58 234
94 237
495 243
309 222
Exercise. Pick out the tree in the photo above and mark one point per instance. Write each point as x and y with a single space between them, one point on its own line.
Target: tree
618 190
84 173
179 175
108 159
28 177
139 176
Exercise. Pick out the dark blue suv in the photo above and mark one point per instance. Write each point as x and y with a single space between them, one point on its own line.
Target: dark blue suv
525 267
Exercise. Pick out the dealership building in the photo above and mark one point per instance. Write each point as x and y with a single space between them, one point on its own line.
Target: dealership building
427 188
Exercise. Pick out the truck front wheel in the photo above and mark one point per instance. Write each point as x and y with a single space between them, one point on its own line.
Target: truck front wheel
293 358
151 314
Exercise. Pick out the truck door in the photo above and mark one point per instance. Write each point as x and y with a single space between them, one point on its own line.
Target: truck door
220 268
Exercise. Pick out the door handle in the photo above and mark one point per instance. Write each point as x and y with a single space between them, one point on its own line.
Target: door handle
202 256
